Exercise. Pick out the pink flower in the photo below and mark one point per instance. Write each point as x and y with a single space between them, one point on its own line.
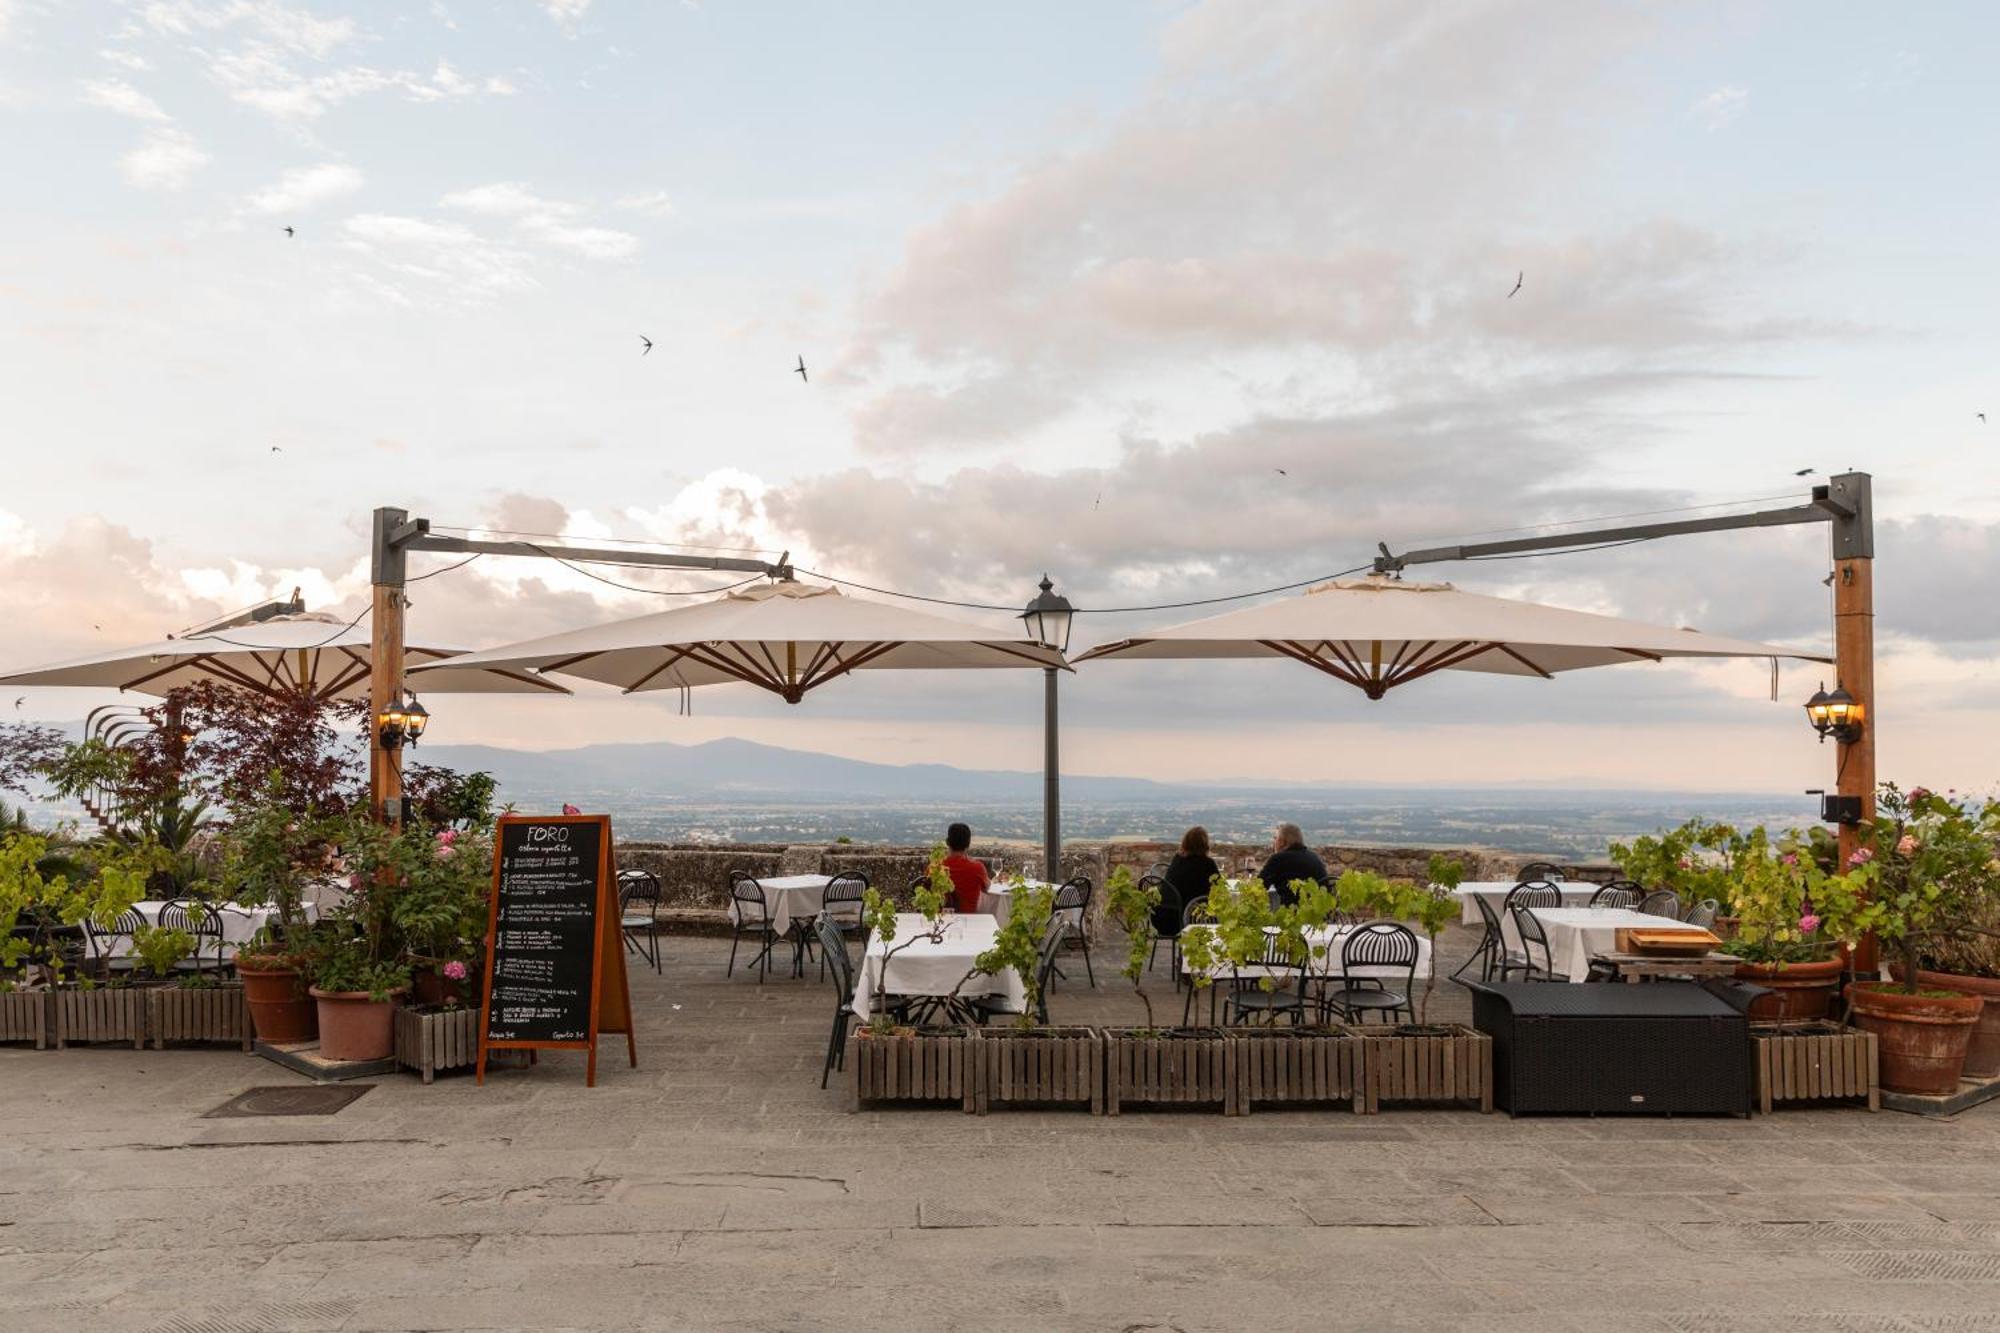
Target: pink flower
1861 856
1919 793
1808 923
1906 845
1790 858
454 971
1686 864
354 881
446 837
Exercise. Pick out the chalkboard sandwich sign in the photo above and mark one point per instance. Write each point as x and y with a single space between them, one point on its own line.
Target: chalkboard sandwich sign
555 974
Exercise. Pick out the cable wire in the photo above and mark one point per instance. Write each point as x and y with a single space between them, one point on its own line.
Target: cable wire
456 564
629 587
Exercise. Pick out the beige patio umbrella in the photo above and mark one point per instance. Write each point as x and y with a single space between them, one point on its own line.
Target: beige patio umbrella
785 637
1376 633
311 652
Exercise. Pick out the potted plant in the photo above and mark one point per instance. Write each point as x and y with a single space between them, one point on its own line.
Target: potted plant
893 1059
267 851
355 991
1792 911
1027 1061
1969 960
1696 861
1927 864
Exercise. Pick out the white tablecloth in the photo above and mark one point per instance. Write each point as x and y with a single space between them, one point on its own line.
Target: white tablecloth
789 898
1578 934
238 925
998 900
1320 966
1495 891
927 968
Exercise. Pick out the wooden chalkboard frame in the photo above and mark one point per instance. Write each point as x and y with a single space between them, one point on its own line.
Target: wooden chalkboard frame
610 988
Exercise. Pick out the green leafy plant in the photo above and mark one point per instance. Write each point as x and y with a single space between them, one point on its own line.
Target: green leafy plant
41 889
1247 930
1131 906
878 914
1930 871
159 948
1789 907
1017 945
1428 907
268 852
350 967
1697 860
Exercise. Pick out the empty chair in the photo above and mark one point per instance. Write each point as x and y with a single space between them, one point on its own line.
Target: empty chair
1073 908
1163 933
639 913
1287 996
1621 893
200 920
985 1008
750 915
1532 893
1491 951
1661 902
842 907
1533 938
1535 870
112 946
1379 947
833 950
1703 914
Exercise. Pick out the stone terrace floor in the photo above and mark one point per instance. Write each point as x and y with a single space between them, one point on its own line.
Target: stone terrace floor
717 1187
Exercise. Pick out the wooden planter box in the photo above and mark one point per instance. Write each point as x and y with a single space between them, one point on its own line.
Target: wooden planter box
1178 1066
108 1013
181 1014
1040 1065
1297 1065
24 1016
1817 1065
1457 1067
428 1040
932 1065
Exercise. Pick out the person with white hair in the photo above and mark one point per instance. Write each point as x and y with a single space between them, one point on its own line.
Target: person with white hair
1290 859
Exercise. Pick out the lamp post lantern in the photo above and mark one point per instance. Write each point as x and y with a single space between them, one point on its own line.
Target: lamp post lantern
1048 619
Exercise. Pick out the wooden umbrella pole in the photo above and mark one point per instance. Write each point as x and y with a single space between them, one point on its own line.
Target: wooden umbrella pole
385 666
1854 666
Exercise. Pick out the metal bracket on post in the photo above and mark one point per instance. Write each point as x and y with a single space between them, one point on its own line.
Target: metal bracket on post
1850 499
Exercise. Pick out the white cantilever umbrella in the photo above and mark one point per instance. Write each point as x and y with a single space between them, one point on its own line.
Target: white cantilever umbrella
785 637
1377 633
312 653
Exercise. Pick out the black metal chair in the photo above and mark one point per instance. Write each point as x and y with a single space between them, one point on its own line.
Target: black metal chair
1247 995
1492 946
1540 870
1171 938
102 941
1532 893
1619 893
833 950
842 906
1660 902
640 923
200 920
985 1008
750 915
1529 927
1073 907
1703 914
1383 945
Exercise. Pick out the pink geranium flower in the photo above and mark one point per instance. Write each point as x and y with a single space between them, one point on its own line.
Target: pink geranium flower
1919 793
1790 858
1808 923
1906 845
1861 856
454 970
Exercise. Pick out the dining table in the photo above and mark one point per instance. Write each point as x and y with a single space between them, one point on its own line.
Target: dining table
789 900
1575 893
1325 943
997 901
1579 934
922 962
240 924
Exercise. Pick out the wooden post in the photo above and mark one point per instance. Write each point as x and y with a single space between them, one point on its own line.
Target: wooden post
385 665
1854 658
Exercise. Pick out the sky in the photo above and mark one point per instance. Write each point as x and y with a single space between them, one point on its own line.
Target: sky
1169 300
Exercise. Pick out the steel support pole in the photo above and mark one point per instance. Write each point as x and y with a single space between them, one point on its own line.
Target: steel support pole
1051 783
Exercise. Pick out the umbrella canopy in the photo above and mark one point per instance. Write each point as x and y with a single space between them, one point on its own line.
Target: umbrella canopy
1377 633
310 652
785 637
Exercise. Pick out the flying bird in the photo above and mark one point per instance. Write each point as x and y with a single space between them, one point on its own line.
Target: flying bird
801 371
1805 472
1519 278
1281 472
290 232
276 450
1981 416
18 702
649 343
1098 501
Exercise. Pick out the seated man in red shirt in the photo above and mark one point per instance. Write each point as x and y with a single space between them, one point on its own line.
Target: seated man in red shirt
968 876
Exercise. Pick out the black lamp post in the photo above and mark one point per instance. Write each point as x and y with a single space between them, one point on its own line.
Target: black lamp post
1048 619
1836 714
402 720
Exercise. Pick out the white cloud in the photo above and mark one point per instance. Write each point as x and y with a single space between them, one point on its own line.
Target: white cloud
446 259
504 199
590 242
122 59
551 222
166 159
295 30
121 97
1720 108
567 13
653 204
304 187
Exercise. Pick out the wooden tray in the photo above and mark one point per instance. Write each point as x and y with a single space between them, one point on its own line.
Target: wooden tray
1665 943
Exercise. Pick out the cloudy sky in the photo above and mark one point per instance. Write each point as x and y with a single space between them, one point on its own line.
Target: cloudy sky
1075 282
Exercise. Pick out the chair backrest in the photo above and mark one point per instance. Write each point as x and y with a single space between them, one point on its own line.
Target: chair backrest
1045 967
1703 913
842 903
1379 944
1487 914
748 898
1615 895
1157 870
834 945
1530 928
642 885
126 927
1195 909
1661 902
1535 870
192 915
1533 893
1073 895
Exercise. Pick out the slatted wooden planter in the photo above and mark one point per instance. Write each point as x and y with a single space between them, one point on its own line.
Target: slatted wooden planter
24 1016
1179 1066
932 1065
1822 1063
107 1013
428 1040
1296 1066
1452 1067
212 1014
1040 1066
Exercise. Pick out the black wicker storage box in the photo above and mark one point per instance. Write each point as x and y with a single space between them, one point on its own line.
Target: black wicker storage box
1664 1048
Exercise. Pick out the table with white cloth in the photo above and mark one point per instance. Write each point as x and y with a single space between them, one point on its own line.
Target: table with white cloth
1575 893
936 967
789 899
998 899
1578 934
1325 943
239 925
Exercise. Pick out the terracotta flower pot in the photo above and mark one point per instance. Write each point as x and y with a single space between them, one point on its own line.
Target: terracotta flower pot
280 1009
1923 1038
1800 992
353 1026
1982 1056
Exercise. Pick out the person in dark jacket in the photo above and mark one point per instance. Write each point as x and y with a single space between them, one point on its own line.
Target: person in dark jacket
1290 859
1188 876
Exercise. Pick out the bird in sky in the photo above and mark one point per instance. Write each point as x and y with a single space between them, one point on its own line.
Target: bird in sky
1281 472
18 702
290 232
1805 472
801 371
276 450
649 344
1098 501
1981 416
1519 278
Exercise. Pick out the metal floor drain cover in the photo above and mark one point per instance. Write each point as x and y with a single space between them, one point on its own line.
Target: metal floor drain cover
321 1100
